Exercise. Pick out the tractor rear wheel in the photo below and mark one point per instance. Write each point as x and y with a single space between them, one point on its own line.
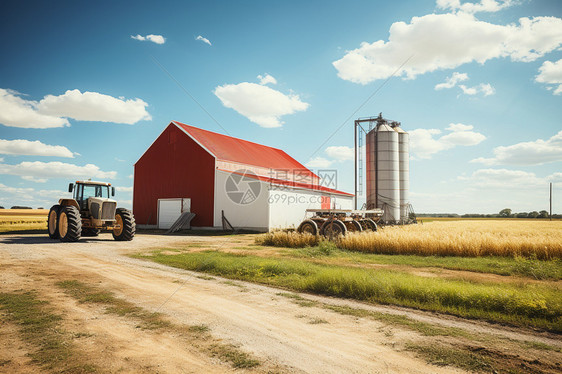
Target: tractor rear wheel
308 226
126 222
369 224
69 224
333 228
52 226
90 231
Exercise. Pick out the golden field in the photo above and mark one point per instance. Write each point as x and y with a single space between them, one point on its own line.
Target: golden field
467 238
23 219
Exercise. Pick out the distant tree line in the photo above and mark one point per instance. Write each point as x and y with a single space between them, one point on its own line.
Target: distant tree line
504 213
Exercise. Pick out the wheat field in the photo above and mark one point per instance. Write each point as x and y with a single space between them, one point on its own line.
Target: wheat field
469 238
23 219
466 238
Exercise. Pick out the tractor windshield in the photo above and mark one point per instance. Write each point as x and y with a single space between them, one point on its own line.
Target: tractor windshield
95 191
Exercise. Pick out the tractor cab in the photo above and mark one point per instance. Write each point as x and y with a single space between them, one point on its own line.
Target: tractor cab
84 190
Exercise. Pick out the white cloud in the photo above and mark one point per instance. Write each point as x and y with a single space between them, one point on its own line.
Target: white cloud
204 40
551 73
93 106
341 153
452 81
456 77
555 178
267 79
124 189
482 6
445 41
125 203
260 104
423 143
33 179
30 195
18 112
53 111
527 153
158 39
131 176
319 162
55 169
485 88
504 179
32 148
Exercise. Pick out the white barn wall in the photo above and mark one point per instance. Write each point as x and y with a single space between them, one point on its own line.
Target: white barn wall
344 202
253 216
287 207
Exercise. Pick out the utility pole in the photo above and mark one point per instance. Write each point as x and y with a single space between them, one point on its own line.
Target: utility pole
551 201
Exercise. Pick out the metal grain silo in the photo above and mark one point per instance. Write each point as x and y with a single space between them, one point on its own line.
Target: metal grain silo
383 171
404 170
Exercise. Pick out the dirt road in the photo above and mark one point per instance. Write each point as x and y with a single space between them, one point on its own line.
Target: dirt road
282 335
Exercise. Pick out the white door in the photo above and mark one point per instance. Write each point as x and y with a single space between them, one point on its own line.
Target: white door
168 212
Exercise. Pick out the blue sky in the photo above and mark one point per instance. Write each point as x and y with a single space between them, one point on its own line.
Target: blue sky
83 92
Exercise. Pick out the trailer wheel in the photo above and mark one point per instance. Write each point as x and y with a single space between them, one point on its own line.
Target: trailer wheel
69 224
127 227
354 226
333 228
369 224
308 226
52 226
90 231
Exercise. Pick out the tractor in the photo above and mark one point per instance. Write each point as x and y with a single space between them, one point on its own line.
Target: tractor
88 212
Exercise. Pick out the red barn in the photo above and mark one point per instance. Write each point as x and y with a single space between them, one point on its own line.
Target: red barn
257 187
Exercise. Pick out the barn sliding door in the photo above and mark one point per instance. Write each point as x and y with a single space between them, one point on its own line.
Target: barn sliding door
169 211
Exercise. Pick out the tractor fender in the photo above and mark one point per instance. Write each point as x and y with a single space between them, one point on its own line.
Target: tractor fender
71 202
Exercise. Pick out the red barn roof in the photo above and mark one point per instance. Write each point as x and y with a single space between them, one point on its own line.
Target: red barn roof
227 148
259 158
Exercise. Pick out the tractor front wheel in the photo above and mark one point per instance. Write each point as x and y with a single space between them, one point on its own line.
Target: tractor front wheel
126 225
52 226
69 224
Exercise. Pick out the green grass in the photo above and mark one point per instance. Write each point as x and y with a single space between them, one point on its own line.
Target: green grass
40 328
423 328
231 353
518 304
198 329
518 266
477 358
443 356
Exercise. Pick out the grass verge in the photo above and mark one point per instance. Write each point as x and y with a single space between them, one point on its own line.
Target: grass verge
511 266
523 305
40 327
479 359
